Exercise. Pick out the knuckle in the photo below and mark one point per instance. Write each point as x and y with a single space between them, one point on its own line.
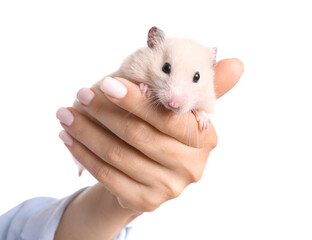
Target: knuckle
147 199
101 173
138 204
113 153
172 188
195 174
149 203
137 132
193 170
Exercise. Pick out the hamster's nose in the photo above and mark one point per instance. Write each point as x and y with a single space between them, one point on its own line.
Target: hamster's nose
176 101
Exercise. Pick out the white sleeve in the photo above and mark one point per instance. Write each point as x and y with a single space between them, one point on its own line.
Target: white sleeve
38 218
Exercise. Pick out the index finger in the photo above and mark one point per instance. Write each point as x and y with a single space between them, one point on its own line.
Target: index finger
227 74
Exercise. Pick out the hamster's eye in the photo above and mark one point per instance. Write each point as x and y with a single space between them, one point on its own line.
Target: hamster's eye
166 68
196 77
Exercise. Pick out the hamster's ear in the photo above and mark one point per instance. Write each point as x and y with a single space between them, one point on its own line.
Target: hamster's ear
214 54
154 37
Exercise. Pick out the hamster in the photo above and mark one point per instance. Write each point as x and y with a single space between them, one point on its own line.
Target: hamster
178 73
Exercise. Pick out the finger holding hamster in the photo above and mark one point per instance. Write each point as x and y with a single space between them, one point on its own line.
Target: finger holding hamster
115 152
136 179
127 96
163 149
132 128
184 127
131 194
115 180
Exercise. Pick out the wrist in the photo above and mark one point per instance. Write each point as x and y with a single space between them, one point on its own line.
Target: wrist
108 202
94 214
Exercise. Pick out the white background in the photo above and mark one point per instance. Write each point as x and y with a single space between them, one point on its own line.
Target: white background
258 181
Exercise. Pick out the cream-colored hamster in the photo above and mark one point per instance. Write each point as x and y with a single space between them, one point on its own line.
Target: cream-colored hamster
178 73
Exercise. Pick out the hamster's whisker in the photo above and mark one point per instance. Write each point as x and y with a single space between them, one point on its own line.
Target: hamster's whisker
189 129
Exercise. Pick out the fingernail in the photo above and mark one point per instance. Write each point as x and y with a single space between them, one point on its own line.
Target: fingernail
113 87
65 116
68 140
85 95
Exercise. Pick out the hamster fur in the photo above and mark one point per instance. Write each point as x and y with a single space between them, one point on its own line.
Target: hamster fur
176 90
179 89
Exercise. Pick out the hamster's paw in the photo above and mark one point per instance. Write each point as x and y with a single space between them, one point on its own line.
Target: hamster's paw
203 119
145 89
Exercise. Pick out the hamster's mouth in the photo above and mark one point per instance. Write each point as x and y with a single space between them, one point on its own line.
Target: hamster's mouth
177 110
180 109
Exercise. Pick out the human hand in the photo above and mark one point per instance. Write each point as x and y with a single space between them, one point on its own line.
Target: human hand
147 156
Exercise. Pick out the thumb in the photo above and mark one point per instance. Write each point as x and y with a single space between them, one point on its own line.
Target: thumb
227 74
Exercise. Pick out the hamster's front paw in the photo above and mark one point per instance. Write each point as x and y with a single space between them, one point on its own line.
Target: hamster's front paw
145 89
203 119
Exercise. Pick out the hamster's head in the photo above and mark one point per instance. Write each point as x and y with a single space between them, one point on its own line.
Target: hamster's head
181 72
